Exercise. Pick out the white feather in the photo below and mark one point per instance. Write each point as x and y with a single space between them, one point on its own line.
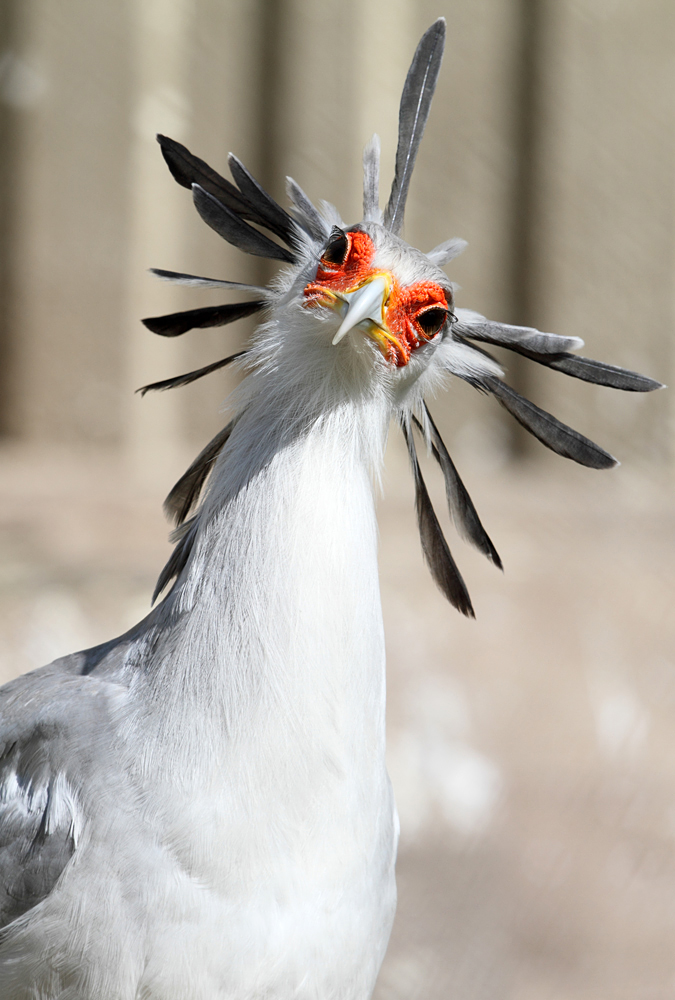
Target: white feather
447 251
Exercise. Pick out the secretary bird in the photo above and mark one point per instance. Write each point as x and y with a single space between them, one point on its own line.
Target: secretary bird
200 809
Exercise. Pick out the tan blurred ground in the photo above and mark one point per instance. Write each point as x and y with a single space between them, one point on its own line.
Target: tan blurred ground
532 751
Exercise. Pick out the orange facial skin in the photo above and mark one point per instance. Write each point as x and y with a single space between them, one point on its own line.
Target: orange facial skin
401 310
356 268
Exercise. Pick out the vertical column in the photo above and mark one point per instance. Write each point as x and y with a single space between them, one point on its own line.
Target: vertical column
523 305
161 38
66 78
7 200
315 121
385 34
604 227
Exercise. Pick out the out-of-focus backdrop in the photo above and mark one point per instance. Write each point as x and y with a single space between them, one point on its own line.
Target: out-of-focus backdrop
532 751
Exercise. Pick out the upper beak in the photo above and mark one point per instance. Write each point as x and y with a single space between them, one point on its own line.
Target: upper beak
366 303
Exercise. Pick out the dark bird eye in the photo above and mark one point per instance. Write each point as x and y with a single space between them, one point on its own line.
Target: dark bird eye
430 321
336 248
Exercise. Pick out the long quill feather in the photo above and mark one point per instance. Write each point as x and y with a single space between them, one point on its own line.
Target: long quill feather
460 504
551 432
185 539
277 219
235 230
371 180
196 281
187 169
184 495
416 98
175 324
588 370
434 546
305 211
188 377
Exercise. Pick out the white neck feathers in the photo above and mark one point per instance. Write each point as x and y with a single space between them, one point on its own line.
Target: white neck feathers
279 603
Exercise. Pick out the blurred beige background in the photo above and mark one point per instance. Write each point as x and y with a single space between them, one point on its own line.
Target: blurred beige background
532 751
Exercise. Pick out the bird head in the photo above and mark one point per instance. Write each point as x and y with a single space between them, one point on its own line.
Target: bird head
358 310
364 313
358 279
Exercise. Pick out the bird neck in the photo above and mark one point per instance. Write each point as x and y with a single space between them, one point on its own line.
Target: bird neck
278 610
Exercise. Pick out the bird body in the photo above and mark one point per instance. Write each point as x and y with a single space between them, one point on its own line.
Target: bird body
200 809
240 729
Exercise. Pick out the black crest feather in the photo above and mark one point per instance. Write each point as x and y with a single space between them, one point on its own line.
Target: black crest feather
184 538
187 169
416 98
197 281
310 219
185 494
175 324
178 380
434 546
461 507
514 337
596 372
552 350
232 229
551 432
276 219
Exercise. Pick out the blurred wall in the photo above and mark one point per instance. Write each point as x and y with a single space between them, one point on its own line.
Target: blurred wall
550 148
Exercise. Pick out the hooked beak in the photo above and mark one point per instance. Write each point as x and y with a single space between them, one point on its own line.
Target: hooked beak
366 303
366 307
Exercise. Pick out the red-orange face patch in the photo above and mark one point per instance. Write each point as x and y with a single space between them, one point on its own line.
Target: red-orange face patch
351 272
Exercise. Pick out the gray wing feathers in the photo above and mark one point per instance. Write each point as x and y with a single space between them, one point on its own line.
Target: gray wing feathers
54 722
37 830
416 98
